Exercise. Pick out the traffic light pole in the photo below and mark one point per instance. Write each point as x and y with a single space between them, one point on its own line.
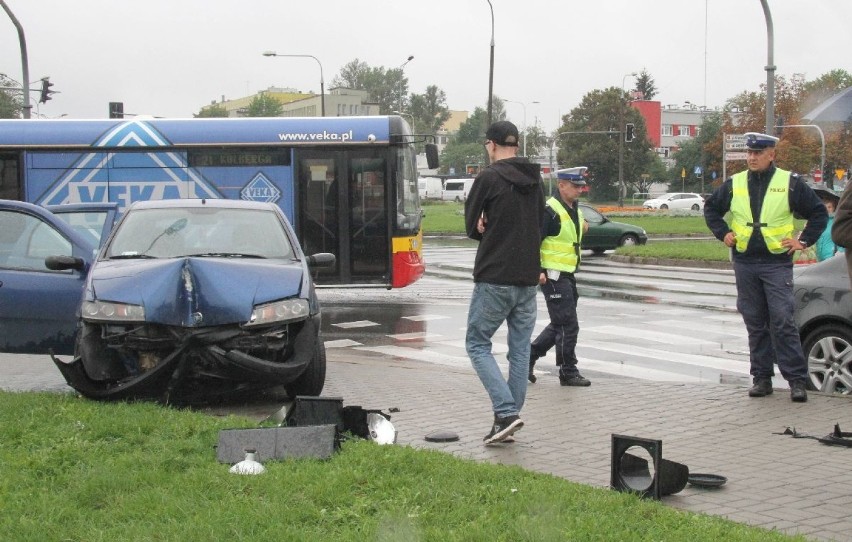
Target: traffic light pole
27 108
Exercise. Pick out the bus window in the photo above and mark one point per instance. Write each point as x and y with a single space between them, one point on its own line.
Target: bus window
408 197
10 184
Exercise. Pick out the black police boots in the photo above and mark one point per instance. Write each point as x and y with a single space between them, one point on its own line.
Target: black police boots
798 393
762 387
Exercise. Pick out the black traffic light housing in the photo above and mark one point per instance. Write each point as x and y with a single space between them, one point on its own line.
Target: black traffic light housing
629 132
116 110
45 89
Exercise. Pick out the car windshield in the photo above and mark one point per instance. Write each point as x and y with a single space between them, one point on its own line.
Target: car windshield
208 231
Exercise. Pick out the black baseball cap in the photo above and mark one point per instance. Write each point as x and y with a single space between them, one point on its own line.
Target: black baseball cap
503 133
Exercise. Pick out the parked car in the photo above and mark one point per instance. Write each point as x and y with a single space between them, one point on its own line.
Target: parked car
187 300
605 234
676 200
824 317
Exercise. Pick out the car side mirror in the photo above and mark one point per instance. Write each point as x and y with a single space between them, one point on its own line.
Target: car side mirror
321 259
432 156
62 263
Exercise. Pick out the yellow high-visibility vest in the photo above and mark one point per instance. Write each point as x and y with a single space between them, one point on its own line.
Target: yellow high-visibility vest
776 219
562 252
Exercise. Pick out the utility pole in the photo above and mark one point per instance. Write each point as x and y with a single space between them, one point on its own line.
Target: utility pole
24 62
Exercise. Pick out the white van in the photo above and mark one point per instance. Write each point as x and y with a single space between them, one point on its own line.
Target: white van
429 187
456 189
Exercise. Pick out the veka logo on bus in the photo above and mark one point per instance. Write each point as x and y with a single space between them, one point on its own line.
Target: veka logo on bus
92 178
260 189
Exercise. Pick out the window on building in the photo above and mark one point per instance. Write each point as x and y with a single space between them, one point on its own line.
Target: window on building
667 130
683 130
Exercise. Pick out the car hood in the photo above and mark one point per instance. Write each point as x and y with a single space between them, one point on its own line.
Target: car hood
195 292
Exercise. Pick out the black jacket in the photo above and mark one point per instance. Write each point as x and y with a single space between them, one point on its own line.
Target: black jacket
804 203
509 193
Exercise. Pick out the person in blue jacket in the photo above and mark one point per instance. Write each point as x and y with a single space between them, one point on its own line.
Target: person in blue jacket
825 246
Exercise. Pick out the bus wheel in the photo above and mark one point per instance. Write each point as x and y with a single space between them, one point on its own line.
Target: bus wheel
312 380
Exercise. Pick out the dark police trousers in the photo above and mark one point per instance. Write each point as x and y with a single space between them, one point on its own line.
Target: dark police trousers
765 300
562 331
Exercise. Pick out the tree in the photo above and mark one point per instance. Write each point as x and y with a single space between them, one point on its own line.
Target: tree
600 111
429 110
210 111
645 85
387 87
11 102
704 150
466 145
264 105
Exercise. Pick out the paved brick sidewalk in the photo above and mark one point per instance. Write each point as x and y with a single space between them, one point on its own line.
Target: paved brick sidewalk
774 481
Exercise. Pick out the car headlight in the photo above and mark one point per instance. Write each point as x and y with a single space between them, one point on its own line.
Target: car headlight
286 310
112 312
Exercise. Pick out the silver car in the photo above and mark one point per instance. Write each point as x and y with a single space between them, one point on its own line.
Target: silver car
824 318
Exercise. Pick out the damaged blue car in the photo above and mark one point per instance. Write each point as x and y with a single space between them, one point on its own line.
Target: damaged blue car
193 300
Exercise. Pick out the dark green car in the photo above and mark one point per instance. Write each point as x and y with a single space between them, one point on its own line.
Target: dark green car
604 234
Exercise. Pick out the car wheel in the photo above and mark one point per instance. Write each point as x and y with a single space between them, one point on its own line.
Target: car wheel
628 240
695 207
664 207
598 251
312 380
828 350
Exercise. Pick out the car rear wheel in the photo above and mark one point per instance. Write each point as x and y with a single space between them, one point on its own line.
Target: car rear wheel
312 380
828 350
598 251
628 240
664 207
695 207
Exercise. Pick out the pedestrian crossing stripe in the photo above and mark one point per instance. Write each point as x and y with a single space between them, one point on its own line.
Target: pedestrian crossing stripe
356 324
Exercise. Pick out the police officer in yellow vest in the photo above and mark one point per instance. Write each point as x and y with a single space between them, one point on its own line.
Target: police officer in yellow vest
762 202
560 258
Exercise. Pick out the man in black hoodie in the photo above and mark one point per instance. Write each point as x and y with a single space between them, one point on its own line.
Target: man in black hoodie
504 212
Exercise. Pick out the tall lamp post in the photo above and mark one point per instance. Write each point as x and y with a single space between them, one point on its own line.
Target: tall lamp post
491 70
24 62
770 69
401 73
522 104
322 79
621 106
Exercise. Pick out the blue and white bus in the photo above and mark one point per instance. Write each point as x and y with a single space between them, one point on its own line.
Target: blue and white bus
348 184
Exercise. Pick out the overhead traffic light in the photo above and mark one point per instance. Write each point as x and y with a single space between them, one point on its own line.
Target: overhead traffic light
45 89
629 134
116 110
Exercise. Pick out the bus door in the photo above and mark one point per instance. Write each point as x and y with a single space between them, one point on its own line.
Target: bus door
343 209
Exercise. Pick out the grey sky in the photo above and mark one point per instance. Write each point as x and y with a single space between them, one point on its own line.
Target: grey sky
171 57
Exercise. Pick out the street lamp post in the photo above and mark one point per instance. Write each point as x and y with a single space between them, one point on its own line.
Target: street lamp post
491 70
770 69
522 104
322 79
401 73
24 62
621 106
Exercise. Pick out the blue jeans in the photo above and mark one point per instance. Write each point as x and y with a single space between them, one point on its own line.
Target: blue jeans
765 300
490 306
